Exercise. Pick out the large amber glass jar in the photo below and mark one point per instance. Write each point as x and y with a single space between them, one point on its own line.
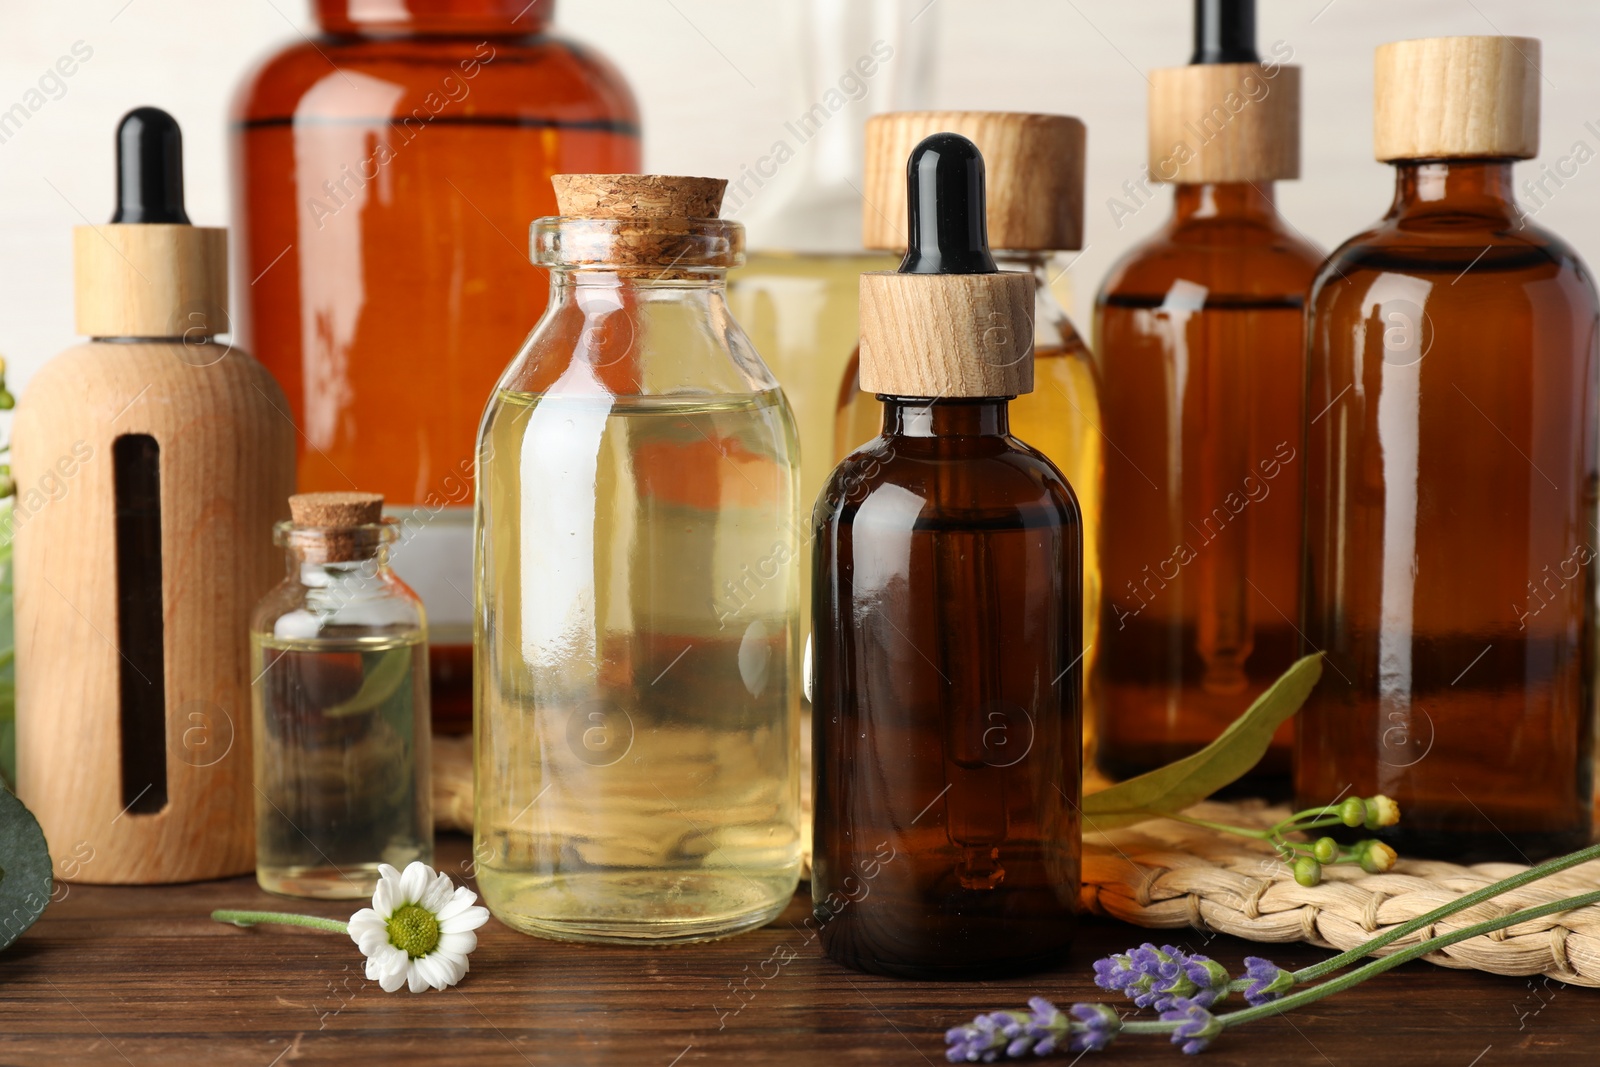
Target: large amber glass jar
1451 472
1199 336
385 172
638 621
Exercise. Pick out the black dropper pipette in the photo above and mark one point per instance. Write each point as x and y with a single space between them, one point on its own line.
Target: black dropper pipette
149 168
1224 32
946 202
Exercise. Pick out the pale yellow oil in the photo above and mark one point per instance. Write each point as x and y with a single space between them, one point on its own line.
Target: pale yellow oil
341 755
638 646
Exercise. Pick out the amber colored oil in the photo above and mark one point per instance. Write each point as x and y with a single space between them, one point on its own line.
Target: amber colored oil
385 177
1451 509
946 699
1060 418
1199 338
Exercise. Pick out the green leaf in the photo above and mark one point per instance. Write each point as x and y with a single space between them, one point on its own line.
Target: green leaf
381 683
1190 780
25 883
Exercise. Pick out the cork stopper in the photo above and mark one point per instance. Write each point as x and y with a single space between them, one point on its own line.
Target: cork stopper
337 527
638 196
336 509
1033 175
1224 122
947 323
149 273
1456 98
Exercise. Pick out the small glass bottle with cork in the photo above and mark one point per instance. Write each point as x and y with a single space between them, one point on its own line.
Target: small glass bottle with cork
341 718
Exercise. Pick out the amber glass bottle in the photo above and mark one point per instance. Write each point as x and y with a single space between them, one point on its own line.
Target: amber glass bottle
386 172
1199 336
947 601
1034 182
1451 480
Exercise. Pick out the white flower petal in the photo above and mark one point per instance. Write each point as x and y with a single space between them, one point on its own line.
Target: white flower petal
383 895
372 941
415 979
458 943
413 883
364 920
460 901
438 893
470 919
391 982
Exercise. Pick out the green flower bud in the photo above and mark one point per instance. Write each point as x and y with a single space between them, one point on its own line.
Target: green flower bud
1376 857
1325 849
1307 871
1353 812
1381 811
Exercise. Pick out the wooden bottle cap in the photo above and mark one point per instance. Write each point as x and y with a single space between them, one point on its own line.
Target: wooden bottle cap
1034 166
1224 122
151 280
332 510
638 196
947 335
1456 97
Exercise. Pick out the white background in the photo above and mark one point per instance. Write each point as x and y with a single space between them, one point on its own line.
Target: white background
711 78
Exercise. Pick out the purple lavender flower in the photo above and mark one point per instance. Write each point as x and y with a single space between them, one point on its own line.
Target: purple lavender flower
1038 1032
1159 977
1196 1026
1100 1026
1268 981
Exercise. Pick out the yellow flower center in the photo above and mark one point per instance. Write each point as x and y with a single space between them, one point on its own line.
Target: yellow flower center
413 930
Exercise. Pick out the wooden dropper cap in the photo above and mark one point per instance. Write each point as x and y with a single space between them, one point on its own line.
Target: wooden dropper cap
948 323
150 273
1456 98
1226 117
1033 167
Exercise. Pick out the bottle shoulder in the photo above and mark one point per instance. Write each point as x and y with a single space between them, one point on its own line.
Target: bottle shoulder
379 603
535 77
916 483
1228 257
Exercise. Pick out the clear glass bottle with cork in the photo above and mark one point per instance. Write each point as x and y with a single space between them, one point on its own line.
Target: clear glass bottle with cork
637 588
339 658
1450 493
947 693
1199 338
1033 173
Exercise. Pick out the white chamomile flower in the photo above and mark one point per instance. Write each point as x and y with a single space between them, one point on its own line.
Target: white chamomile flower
419 929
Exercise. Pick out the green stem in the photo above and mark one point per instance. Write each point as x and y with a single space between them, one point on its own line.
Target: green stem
1477 896
1376 967
283 918
1260 835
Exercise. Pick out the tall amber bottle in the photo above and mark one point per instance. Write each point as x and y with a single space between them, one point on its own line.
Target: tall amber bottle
1451 479
1033 172
385 173
1198 333
947 604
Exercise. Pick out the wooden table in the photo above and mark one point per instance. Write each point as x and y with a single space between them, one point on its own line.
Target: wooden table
143 976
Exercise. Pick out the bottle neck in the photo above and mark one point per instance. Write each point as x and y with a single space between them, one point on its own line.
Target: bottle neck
435 18
1472 187
1225 201
987 416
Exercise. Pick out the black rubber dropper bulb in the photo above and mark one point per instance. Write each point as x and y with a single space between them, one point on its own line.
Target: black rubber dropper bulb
149 168
948 232
1224 32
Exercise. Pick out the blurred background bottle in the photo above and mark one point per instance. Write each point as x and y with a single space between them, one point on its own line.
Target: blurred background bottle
1198 334
386 172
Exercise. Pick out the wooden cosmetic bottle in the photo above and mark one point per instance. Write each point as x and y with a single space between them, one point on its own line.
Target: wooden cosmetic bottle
151 463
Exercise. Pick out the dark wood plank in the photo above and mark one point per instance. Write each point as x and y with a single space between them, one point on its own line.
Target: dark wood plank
143 976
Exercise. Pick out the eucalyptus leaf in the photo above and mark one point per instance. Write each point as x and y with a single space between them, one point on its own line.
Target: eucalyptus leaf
1188 781
25 883
381 683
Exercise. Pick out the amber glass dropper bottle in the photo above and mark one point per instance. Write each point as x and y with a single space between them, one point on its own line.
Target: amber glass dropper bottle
1033 183
947 601
1450 481
1198 333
